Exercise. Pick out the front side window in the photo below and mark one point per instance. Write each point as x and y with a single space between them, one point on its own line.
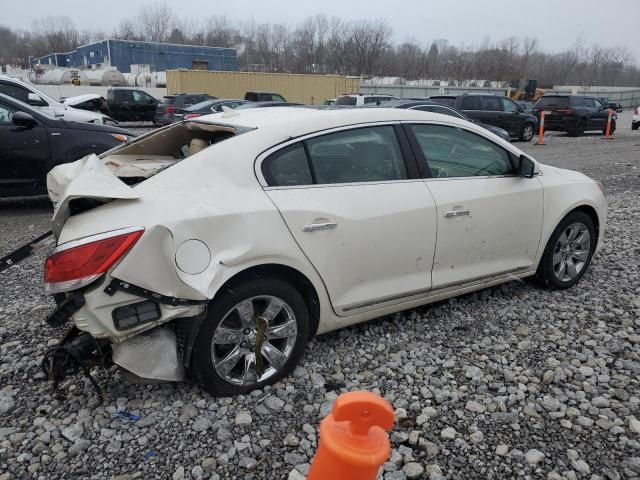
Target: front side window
138 97
454 152
15 91
287 167
588 102
5 114
510 106
369 154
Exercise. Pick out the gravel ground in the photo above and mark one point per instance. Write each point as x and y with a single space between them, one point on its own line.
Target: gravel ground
510 382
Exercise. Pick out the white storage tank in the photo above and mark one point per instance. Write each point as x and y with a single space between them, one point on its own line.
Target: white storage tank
61 76
106 77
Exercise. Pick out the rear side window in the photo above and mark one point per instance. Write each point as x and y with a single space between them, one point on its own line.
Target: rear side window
368 154
471 103
346 100
492 104
287 167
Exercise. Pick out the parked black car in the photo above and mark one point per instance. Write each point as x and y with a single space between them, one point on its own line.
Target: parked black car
170 103
573 114
131 104
493 110
615 106
205 108
268 104
434 107
264 97
32 143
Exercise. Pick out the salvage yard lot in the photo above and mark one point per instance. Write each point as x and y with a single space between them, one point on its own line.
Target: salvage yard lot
507 382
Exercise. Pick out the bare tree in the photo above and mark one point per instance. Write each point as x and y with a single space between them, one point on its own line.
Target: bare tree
156 22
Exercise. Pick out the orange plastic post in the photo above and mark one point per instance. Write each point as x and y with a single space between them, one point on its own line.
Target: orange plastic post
541 129
353 438
607 132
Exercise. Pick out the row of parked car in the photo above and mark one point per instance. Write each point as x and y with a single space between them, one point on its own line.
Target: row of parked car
38 132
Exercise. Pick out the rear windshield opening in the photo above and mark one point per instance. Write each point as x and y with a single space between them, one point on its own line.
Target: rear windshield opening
144 157
548 102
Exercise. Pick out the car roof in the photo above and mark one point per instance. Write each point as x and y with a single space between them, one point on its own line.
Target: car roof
296 121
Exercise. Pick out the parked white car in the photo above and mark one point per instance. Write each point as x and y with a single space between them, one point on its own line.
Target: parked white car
360 99
29 94
283 223
635 121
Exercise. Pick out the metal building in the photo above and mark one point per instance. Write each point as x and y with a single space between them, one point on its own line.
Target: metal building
121 54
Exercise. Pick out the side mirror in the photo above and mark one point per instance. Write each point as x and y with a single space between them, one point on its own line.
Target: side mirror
527 167
22 119
35 100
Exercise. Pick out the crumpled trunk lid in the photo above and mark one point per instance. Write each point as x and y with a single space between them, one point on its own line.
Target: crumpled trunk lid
87 178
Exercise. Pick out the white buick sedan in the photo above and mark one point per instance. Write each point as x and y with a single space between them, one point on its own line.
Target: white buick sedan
215 248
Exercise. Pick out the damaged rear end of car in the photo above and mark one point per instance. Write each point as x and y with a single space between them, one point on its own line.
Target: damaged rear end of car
117 273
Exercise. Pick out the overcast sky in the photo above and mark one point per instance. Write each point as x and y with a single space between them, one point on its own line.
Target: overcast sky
556 23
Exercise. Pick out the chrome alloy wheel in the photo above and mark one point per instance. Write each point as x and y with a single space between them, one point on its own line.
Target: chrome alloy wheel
527 132
254 340
571 252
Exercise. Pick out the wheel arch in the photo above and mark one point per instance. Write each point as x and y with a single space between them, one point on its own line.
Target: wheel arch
294 277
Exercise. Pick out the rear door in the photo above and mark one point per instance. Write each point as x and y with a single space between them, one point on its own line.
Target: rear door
471 106
493 112
24 154
489 219
359 211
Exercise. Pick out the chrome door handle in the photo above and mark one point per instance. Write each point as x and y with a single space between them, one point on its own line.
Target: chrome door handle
456 213
314 227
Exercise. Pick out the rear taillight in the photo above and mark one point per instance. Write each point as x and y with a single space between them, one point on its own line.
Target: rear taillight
169 110
75 264
566 111
192 115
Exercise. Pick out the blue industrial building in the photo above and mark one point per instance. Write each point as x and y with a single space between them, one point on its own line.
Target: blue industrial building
159 56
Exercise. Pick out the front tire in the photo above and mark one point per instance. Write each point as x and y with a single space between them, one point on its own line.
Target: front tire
265 311
568 252
527 131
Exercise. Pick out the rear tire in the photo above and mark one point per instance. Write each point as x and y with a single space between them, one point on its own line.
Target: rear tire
568 252
527 132
234 327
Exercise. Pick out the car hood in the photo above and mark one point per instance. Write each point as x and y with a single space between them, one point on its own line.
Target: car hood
87 178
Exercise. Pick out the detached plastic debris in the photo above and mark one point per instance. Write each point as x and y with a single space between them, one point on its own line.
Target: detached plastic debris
149 455
129 417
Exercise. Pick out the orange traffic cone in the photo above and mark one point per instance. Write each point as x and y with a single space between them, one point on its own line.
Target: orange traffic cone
353 438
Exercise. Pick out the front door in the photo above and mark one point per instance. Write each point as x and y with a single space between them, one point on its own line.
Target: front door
489 219
365 225
23 155
511 117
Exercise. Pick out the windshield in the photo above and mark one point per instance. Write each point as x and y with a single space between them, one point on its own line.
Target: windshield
346 100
